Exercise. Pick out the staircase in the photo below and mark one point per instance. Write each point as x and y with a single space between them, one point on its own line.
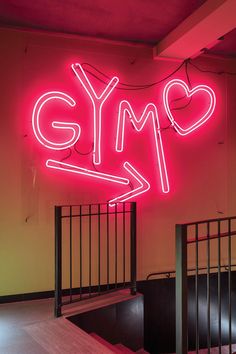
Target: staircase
61 336
111 319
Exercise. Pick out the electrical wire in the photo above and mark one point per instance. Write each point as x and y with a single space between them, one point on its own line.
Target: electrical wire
83 153
129 87
210 71
107 77
183 97
67 156
133 87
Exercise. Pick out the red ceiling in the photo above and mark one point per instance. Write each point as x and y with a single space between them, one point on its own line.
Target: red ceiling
129 20
146 21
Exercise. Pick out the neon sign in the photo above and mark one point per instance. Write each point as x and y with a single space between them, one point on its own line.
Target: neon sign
73 127
149 111
97 102
189 93
125 111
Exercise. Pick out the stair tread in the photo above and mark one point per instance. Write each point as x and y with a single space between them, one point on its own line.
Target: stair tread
124 349
103 341
100 301
61 336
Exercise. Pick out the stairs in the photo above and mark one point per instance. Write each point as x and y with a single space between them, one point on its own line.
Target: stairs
116 348
124 349
61 336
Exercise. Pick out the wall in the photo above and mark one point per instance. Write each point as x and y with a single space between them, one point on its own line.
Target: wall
201 166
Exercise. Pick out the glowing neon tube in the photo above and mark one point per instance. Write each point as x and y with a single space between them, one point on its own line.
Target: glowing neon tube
150 110
189 93
58 165
98 102
143 186
74 128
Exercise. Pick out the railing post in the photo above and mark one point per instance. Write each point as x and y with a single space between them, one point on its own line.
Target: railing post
181 290
133 247
58 259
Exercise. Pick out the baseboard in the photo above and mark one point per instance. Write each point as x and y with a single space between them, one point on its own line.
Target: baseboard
51 293
27 296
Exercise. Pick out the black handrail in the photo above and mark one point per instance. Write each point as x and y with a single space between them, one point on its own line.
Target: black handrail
212 237
168 273
208 221
90 226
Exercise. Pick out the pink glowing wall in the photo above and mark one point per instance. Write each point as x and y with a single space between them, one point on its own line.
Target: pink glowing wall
197 168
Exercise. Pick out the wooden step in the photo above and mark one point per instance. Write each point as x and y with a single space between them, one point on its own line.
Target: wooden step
118 348
61 336
106 343
124 349
96 302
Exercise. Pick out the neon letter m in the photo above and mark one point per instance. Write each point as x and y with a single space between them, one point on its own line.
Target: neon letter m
150 111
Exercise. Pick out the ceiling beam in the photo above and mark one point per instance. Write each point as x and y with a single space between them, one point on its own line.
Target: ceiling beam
200 30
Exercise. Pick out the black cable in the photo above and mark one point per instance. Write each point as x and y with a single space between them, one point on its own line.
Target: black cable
165 128
117 88
181 98
82 153
67 156
107 77
211 71
131 87
182 107
187 74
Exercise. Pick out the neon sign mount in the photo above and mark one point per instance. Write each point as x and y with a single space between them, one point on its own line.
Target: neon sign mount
125 111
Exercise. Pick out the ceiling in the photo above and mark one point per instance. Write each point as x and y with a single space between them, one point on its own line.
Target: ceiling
143 21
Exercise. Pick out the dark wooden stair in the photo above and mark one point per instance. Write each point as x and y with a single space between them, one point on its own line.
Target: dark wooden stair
116 348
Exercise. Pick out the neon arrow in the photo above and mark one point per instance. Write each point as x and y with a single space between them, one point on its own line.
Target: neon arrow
143 187
58 165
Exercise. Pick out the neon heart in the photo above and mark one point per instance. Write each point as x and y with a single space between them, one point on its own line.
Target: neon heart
189 93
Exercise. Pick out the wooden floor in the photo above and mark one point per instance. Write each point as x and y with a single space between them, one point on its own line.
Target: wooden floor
98 302
29 327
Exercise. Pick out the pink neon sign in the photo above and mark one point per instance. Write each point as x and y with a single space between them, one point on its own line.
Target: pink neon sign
74 128
189 93
125 111
149 111
98 102
143 186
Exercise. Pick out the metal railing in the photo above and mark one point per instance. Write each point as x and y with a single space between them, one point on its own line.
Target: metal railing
95 251
169 273
209 241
